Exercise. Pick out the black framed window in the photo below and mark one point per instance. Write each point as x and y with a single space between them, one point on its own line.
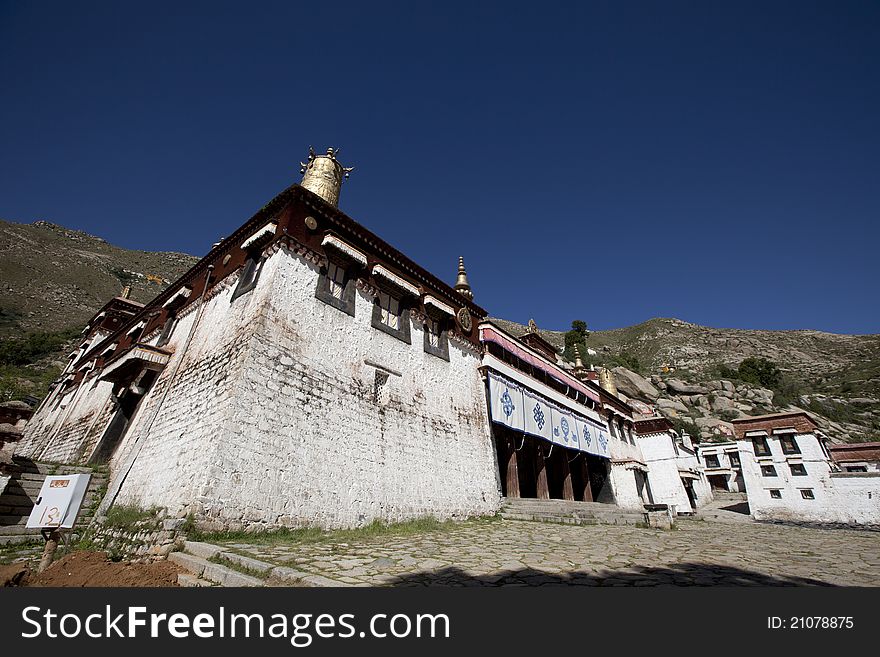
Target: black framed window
798 469
776 494
336 287
712 461
807 494
768 471
855 468
734 459
762 448
436 340
167 330
391 317
789 445
250 275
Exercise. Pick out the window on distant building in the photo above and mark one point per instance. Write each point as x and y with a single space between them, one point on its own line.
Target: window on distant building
250 274
762 448
807 494
389 316
855 468
768 471
336 288
436 340
734 459
789 445
712 461
798 469
776 494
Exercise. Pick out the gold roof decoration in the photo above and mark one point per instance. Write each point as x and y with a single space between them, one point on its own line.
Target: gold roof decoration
323 175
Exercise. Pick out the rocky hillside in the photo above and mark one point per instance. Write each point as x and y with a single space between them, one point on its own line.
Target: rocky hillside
53 278
689 373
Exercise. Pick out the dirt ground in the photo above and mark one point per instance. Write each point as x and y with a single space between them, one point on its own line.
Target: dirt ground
91 569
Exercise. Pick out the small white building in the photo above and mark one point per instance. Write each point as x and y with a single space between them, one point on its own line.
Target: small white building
789 474
723 466
675 474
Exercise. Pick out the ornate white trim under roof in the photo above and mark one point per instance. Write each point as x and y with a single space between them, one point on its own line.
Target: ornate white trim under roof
112 347
182 293
395 280
345 248
266 231
439 305
756 433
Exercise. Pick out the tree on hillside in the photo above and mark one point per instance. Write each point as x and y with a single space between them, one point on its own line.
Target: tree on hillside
760 371
576 336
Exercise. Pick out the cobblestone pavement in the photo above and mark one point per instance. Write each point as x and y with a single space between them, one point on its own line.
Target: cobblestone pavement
491 553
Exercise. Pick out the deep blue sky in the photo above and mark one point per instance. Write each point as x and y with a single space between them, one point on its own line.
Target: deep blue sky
612 162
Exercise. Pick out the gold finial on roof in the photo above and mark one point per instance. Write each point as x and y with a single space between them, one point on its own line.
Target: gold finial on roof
606 380
578 363
533 328
323 175
462 286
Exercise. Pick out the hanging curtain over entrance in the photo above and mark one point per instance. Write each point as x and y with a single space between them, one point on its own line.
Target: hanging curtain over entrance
516 406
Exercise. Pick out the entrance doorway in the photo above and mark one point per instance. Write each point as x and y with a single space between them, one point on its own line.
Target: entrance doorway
534 468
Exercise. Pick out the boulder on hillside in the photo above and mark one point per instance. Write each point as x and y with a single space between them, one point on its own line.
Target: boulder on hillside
633 385
715 426
722 404
671 406
681 388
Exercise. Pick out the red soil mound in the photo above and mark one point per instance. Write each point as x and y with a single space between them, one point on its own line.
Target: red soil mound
95 569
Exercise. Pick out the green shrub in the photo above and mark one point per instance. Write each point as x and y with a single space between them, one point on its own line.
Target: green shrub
760 371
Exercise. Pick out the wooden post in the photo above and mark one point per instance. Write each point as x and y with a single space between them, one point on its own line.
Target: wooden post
512 474
567 488
541 472
585 474
49 550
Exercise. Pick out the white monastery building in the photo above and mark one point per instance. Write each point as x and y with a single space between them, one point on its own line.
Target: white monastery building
306 373
789 474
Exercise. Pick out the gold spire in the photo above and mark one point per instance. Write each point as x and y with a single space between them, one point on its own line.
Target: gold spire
606 380
323 175
461 283
578 363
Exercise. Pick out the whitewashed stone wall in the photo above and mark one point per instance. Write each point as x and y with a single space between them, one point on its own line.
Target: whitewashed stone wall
857 497
173 455
274 419
66 428
662 461
623 481
688 460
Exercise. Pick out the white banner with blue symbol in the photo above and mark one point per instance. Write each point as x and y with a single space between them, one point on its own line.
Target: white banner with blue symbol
517 407
507 403
537 416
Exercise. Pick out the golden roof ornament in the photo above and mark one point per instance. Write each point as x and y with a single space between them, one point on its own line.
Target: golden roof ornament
578 363
462 286
323 175
533 327
606 380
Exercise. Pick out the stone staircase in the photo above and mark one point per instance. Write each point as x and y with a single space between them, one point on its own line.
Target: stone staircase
214 565
568 513
22 490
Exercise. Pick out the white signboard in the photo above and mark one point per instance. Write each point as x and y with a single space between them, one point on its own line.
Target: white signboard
59 502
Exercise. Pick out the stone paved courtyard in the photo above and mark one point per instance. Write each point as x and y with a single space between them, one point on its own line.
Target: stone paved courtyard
506 552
